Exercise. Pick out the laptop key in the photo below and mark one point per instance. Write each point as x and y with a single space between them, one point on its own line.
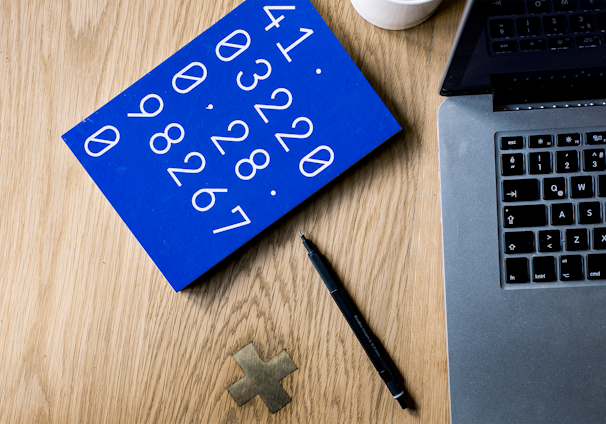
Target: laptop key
569 140
553 25
512 164
532 45
539 163
596 266
581 187
590 213
537 6
584 41
556 43
571 268
520 242
517 270
525 216
528 27
599 238
549 241
520 190
504 8
539 141
594 160
501 28
543 269
562 214
576 239
582 22
601 21
508 143
591 4
505 46
567 161
596 137
564 5
601 185
554 188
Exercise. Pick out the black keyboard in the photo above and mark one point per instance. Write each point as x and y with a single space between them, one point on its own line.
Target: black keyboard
551 188
534 25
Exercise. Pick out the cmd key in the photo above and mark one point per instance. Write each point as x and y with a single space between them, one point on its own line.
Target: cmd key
525 216
596 266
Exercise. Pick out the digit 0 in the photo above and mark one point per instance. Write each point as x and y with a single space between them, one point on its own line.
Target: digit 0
169 141
310 159
227 42
181 75
252 163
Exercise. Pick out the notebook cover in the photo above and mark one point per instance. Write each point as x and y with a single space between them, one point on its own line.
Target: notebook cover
230 133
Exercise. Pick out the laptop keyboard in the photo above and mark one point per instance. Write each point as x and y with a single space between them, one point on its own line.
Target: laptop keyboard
533 25
551 189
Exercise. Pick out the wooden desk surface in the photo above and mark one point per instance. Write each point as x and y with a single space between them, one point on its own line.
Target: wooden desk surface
90 332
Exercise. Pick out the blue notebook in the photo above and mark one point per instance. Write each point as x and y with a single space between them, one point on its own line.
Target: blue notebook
230 133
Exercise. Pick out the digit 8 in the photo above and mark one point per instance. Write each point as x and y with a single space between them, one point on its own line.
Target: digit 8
169 141
252 163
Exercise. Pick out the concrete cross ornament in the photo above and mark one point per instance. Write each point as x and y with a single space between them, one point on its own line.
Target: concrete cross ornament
262 378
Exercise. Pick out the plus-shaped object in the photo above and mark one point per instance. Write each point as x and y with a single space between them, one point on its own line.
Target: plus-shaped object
262 378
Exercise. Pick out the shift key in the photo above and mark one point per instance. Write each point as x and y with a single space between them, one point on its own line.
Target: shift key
525 216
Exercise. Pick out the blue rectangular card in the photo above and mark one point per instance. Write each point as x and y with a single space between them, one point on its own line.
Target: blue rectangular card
230 133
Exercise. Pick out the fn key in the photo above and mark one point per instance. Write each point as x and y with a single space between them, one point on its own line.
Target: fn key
517 270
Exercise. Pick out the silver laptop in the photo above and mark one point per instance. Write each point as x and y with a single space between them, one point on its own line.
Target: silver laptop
522 140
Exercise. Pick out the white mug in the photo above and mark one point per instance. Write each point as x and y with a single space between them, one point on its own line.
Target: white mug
395 14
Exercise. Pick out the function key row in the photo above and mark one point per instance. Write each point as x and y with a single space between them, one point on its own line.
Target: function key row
576 239
560 213
548 25
546 140
528 190
552 43
566 161
571 268
519 7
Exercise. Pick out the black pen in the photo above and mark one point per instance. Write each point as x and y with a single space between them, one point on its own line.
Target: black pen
371 345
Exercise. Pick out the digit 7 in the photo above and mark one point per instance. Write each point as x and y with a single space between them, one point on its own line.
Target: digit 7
239 224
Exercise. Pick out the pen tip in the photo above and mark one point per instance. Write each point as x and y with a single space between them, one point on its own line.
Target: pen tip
300 234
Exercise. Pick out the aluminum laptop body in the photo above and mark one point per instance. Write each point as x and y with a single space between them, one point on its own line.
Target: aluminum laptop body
523 351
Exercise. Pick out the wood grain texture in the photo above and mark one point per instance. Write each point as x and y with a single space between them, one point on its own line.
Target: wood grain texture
90 332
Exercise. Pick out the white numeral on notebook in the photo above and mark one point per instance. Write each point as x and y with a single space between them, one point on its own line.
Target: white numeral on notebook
310 159
240 48
239 224
144 113
211 192
172 171
197 79
275 22
273 96
215 138
307 33
256 77
282 136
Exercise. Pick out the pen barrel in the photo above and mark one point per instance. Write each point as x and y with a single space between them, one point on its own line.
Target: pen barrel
366 337
325 274
372 346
